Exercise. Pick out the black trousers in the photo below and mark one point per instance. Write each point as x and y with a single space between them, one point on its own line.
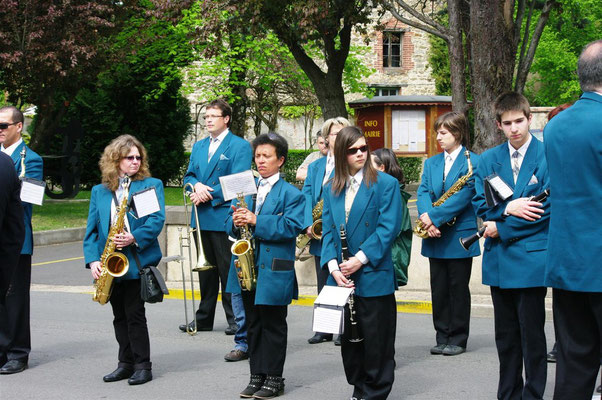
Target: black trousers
370 364
520 339
450 296
267 336
216 249
578 325
321 274
129 322
15 334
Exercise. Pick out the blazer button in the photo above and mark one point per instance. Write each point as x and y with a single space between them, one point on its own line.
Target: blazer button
219 169
213 183
267 249
367 224
262 266
332 226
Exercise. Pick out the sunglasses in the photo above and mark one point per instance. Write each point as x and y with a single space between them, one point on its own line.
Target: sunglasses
353 150
5 125
132 158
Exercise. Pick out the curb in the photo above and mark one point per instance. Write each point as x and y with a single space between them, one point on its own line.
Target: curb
58 236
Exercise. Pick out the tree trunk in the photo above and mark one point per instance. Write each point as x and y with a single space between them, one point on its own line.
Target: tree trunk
493 58
456 57
47 121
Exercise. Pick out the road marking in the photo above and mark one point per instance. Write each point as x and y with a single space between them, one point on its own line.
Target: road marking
57 261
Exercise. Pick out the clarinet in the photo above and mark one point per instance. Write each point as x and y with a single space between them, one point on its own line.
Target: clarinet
355 336
468 241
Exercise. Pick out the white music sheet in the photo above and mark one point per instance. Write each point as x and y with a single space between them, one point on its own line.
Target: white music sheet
240 183
32 191
327 320
146 202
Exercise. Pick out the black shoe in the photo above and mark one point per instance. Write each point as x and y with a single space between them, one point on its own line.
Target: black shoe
551 357
438 349
319 338
118 375
272 387
13 367
231 330
453 350
337 341
141 376
254 385
191 328
599 389
236 355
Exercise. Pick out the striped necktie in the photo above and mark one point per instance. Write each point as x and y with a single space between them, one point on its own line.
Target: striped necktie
515 165
261 195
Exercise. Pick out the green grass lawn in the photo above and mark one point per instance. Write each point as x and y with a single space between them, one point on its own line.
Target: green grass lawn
73 213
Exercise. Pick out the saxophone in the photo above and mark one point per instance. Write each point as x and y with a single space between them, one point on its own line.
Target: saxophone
113 263
243 249
419 229
303 239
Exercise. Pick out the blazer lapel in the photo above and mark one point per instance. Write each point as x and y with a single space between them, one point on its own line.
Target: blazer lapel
437 175
502 167
527 168
454 171
218 153
104 209
203 154
338 210
319 178
271 200
360 203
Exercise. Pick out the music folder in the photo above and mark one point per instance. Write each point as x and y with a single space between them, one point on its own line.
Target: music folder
329 308
496 190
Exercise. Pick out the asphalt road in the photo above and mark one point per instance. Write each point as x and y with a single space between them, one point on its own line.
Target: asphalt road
74 346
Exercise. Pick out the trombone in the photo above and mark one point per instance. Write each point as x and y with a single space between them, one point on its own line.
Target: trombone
186 241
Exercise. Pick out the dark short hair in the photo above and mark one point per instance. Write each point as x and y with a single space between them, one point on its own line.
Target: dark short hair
274 139
386 157
589 67
17 115
456 123
511 101
224 107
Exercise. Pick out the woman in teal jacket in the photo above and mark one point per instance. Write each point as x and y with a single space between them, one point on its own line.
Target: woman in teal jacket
450 264
125 155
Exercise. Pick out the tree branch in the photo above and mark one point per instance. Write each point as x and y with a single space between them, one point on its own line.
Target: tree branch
428 25
525 64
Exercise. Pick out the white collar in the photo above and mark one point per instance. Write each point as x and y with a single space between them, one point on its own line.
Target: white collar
454 154
221 136
359 176
10 149
272 179
330 158
522 150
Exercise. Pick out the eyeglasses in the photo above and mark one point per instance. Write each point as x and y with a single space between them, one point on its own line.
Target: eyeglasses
132 158
353 150
5 125
206 117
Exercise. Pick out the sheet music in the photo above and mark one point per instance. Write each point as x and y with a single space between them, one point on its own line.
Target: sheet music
242 182
146 202
32 191
327 320
500 187
333 296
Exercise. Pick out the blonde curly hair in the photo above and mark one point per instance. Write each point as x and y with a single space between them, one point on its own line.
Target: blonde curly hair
112 156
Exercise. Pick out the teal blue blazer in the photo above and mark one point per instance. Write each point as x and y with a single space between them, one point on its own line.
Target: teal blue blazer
573 145
34 167
233 155
374 223
458 206
312 190
517 258
145 229
279 222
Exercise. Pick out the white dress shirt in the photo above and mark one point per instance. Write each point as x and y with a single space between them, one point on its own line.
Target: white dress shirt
450 159
11 149
215 142
263 190
329 167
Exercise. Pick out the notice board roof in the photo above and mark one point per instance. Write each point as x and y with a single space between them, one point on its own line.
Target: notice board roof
397 100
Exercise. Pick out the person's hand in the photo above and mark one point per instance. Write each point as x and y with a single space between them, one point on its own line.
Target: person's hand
123 239
350 266
95 269
243 216
426 221
341 280
433 232
525 208
490 229
201 194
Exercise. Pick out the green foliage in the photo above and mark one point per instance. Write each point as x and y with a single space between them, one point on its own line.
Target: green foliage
439 62
411 167
293 160
571 26
140 96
